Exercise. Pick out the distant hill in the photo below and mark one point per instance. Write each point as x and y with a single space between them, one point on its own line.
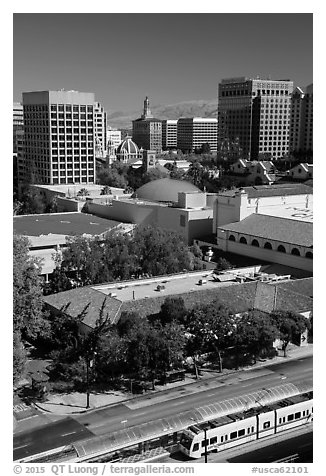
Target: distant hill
171 111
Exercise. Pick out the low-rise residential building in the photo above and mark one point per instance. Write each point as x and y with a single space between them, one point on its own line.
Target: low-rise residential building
301 172
255 172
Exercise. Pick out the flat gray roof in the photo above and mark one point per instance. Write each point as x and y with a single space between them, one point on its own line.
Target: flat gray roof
66 224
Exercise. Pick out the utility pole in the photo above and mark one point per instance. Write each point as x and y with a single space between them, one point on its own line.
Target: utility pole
206 444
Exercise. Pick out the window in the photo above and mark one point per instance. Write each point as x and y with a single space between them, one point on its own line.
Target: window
233 435
241 432
212 441
291 417
266 425
281 249
243 240
297 415
295 252
204 443
196 447
255 243
231 238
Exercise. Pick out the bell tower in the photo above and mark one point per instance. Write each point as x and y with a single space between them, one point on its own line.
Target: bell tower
146 112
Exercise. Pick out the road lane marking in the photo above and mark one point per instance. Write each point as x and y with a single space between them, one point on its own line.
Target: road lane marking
19 447
66 434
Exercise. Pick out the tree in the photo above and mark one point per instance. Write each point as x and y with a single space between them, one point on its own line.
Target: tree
155 174
256 332
210 328
30 201
205 148
19 357
111 177
83 192
106 190
290 325
27 290
173 309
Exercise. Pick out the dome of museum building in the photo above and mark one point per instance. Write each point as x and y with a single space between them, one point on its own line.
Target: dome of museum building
164 190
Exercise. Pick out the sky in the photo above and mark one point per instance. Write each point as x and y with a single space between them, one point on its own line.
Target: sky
169 57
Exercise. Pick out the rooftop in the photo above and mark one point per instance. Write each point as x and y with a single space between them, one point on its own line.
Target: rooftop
66 224
275 190
143 297
274 228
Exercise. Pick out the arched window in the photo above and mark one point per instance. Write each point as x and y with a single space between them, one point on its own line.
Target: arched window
268 246
281 249
255 243
309 255
231 238
243 240
295 252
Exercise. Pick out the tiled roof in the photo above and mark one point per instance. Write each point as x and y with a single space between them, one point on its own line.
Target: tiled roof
238 297
304 287
274 228
79 298
66 224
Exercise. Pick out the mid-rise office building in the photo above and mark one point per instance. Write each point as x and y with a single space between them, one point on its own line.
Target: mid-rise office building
18 122
301 132
113 137
147 131
100 127
258 113
193 133
169 134
59 137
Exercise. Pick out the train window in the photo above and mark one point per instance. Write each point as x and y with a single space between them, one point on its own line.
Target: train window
266 425
297 415
304 413
252 429
196 447
226 437
241 432
248 430
204 443
233 435
291 417
280 420
222 438
284 419
212 441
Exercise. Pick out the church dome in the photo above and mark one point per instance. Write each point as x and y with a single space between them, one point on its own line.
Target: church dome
164 190
127 147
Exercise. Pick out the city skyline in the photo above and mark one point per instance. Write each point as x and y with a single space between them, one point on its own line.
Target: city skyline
171 58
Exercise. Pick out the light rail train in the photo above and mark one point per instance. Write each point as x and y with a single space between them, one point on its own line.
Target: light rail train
240 428
253 411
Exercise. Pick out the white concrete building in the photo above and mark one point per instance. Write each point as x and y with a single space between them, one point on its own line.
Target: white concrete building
194 132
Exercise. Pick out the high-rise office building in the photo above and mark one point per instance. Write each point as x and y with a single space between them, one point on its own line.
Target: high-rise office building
169 134
100 126
301 131
258 113
18 122
59 137
147 131
193 133
114 137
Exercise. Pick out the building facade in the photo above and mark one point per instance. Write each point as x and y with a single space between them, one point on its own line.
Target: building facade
193 133
169 134
18 122
301 133
147 131
258 113
100 133
59 137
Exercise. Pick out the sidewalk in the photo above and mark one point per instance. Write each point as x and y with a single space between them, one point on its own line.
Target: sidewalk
75 403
